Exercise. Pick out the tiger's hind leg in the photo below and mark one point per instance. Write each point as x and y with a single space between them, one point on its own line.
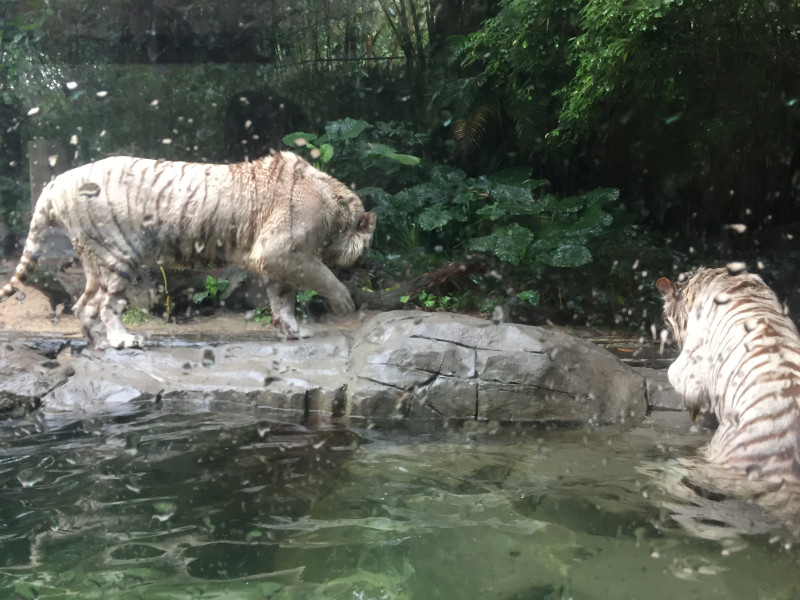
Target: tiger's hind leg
111 305
99 307
87 308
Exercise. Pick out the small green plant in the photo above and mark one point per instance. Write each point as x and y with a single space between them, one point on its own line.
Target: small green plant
135 316
262 314
432 302
529 296
304 300
214 288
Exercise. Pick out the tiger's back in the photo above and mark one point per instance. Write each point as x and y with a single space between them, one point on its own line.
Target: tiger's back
740 360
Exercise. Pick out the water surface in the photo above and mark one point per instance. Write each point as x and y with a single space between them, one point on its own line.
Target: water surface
192 500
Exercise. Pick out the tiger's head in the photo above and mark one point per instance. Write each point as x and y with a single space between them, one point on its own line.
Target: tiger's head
354 226
680 296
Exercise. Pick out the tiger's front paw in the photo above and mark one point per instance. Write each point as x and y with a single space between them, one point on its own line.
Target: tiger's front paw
342 305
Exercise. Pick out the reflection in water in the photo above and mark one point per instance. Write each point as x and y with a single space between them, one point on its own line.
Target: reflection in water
168 502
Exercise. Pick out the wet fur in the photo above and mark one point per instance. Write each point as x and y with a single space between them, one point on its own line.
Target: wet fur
739 360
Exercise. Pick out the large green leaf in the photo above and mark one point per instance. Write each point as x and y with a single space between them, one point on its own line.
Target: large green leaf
518 177
298 139
326 152
592 222
569 204
447 176
570 255
385 151
484 243
512 246
600 196
434 217
345 129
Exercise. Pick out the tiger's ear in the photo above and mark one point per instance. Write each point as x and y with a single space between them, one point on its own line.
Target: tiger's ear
666 287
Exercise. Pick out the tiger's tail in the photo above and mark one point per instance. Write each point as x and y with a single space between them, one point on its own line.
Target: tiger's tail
40 222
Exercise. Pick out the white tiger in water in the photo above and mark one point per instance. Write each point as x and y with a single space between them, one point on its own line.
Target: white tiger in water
740 360
277 216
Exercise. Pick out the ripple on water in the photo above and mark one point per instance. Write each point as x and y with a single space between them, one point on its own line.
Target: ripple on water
167 501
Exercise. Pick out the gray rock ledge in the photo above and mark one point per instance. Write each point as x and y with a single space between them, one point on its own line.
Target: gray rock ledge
395 365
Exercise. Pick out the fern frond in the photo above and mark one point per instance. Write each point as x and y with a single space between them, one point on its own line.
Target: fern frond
468 132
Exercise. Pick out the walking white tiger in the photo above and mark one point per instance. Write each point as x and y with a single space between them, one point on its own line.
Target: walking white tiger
740 360
277 216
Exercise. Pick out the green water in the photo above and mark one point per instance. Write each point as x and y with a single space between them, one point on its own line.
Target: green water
172 502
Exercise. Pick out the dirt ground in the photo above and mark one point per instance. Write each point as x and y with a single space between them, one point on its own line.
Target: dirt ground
28 314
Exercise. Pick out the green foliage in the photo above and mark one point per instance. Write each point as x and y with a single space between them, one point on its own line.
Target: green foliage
506 215
304 300
518 59
356 142
262 313
213 289
529 296
135 316
431 301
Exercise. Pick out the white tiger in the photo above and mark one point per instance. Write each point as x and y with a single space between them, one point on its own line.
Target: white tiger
740 360
277 216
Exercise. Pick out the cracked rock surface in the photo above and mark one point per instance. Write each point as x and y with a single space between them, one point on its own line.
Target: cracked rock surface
422 365
397 365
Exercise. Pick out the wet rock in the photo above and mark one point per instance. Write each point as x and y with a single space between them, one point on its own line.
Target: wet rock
455 366
399 365
660 393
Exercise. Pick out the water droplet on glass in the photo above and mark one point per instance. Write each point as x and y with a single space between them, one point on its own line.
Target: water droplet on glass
208 358
300 142
30 477
722 298
164 510
735 268
315 153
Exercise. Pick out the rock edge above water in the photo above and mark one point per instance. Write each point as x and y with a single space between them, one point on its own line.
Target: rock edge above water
395 365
